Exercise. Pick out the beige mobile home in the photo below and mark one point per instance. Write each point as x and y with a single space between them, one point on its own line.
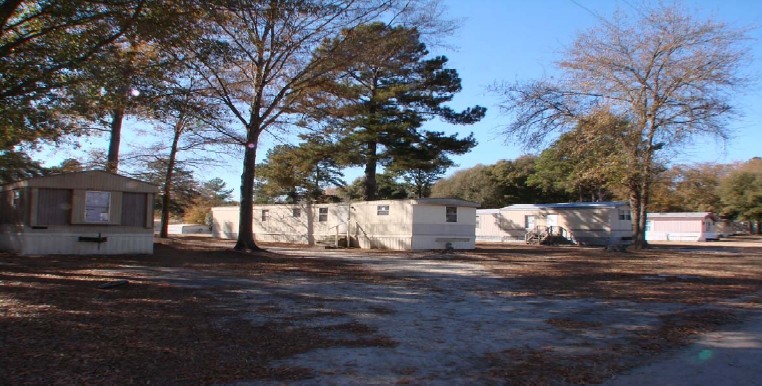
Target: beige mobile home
585 223
681 226
416 224
92 212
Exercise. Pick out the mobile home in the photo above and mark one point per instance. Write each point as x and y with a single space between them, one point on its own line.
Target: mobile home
585 223
415 224
91 212
698 226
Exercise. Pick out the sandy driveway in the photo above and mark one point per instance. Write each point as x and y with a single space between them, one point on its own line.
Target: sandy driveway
442 320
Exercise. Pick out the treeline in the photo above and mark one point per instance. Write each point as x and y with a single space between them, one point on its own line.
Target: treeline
355 82
212 76
732 191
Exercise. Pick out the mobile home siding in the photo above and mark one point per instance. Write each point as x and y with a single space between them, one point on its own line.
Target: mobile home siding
584 223
386 224
698 226
51 216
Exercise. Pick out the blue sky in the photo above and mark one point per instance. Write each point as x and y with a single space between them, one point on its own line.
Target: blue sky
508 40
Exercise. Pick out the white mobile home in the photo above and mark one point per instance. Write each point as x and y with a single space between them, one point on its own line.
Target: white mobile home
182 229
416 224
586 223
91 212
698 226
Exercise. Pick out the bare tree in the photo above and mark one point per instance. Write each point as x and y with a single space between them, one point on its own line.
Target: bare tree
188 112
258 56
668 74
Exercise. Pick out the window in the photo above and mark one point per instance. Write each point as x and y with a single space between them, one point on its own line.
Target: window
97 206
452 213
477 221
322 214
625 215
296 212
708 226
649 226
530 222
382 210
265 214
16 199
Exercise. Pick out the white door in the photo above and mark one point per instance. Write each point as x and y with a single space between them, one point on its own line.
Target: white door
342 212
552 220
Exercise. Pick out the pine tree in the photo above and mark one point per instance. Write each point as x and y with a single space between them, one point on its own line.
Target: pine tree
375 106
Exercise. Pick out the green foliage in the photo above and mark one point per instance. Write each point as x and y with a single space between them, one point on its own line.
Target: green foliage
15 166
184 190
294 173
375 104
212 193
472 184
501 184
388 188
580 163
689 188
42 45
741 191
667 74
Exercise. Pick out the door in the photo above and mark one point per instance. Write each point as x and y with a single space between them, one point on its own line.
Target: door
342 214
552 223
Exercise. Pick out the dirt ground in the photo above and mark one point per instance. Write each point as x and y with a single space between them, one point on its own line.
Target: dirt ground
198 312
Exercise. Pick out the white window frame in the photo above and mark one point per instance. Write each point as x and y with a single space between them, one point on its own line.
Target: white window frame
296 212
95 211
526 221
265 214
625 215
451 217
478 221
382 210
322 214
649 226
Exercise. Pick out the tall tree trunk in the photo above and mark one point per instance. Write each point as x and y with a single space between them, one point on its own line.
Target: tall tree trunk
245 225
369 188
638 233
168 180
112 162
641 190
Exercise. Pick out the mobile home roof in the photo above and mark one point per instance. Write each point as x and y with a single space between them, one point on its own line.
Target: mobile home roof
568 205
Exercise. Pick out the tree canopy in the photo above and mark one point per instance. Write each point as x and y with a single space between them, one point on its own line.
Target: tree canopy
669 75
375 104
741 191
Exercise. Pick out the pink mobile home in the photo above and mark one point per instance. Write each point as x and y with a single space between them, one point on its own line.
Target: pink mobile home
698 226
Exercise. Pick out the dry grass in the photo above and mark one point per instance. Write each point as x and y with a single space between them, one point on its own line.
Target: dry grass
56 326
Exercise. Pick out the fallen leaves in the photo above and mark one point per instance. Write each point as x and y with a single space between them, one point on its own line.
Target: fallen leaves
56 326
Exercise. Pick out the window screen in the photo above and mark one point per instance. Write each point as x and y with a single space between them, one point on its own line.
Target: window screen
382 210
296 212
97 207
